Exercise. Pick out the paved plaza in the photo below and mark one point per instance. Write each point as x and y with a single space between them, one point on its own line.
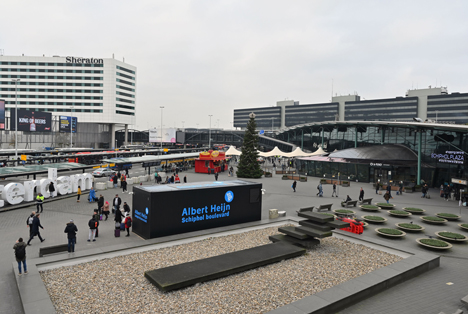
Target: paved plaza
428 293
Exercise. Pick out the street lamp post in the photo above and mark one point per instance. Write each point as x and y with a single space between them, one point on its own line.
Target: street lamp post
71 126
183 124
209 135
162 107
16 118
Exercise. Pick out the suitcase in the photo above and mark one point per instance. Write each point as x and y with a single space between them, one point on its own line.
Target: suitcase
100 217
122 226
117 233
117 225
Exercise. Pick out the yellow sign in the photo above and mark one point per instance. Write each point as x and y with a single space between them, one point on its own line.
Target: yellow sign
24 157
215 154
165 150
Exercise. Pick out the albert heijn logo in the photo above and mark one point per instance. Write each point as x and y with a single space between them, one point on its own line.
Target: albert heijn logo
229 196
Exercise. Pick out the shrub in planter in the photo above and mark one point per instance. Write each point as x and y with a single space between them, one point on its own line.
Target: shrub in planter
370 207
464 226
414 210
434 242
345 183
344 211
432 219
399 213
448 216
451 235
385 205
411 227
376 219
285 177
390 231
323 181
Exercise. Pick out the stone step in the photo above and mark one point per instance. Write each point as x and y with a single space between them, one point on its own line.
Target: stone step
316 217
309 243
313 224
338 224
291 231
314 232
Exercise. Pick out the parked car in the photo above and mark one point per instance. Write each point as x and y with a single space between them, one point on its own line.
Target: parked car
103 172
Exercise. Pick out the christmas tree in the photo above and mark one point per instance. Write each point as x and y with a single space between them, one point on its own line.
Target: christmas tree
249 166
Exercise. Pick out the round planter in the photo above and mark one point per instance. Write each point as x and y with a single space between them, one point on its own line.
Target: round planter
433 222
390 235
387 206
374 221
414 212
434 247
409 229
398 215
450 239
365 224
349 212
374 209
464 228
448 218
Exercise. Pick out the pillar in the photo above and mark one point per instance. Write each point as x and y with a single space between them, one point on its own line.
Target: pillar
302 139
126 135
419 156
323 134
355 137
112 135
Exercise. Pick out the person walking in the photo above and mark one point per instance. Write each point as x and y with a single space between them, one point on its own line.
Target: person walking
20 255
118 216
185 179
78 194
126 208
377 186
389 190
128 223
216 176
334 190
35 229
71 231
361 194
116 202
387 196
51 189
124 186
400 185
114 180
294 185
39 202
446 192
29 222
105 210
126 173
100 203
423 191
155 177
93 225
320 190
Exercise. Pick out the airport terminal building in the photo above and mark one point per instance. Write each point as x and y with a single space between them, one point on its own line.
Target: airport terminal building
99 92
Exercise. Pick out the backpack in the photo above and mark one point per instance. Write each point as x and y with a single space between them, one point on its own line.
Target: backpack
318 187
30 220
20 252
129 222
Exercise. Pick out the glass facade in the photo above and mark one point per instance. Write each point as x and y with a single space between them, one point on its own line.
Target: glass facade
311 113
451 108
264 117
395 109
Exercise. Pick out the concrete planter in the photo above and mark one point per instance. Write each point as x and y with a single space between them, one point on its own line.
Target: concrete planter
440 215
451 239
390 235
130 181
135 180
101 186
449 246
409 229
110 185
398 214
434 222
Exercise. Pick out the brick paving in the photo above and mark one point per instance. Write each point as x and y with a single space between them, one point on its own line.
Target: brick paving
427 293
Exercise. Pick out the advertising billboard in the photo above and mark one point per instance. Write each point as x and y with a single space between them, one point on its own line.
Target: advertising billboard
153 136
2 114
65 124
168 135
31 121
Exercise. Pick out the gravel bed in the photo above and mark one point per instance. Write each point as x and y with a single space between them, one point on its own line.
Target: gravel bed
118 285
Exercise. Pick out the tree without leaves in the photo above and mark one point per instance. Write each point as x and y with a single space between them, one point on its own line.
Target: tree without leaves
249 167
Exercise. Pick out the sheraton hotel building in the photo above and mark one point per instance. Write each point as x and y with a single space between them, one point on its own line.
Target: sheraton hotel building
422 137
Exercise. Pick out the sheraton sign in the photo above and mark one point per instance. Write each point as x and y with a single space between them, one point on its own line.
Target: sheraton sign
84 60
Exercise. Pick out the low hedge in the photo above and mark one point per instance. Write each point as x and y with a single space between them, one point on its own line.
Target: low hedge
344 211
433 242
376 218
410 226
431 218
385 204
390 231
447 215
369 206
464 225
412 209
452 235
399 212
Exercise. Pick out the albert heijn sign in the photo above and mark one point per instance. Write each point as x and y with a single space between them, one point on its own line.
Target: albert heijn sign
84 60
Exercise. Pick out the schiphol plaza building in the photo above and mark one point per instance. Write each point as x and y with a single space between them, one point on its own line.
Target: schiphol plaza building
99 92
376 140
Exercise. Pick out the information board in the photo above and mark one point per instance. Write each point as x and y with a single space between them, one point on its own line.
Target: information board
31 121
65 123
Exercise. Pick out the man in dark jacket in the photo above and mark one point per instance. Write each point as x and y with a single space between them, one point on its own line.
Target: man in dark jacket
51 189
29 222
35 228
118 216
114 180
126 208
93 225
100 203
361 194
71 231
116 202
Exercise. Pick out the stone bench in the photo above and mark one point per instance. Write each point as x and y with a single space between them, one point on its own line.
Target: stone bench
305 209
367 201
323 207
349 203
53 249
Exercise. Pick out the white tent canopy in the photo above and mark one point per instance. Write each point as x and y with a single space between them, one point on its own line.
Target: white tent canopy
296 153
274 152
232 151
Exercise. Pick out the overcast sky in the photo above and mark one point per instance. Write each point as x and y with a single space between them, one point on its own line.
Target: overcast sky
198 58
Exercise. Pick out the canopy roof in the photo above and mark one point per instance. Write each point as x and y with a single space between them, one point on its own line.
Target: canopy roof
24 170
232 151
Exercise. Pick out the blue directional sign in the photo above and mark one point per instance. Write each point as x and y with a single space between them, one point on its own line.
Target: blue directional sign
261 132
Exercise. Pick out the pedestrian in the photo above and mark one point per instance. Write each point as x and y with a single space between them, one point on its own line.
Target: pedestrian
20 255
216 176
361 194
35 229
387 196
294 185
124 186
116 203
105 211
92 195
118 216
29 222
97 218
446 192
114 180
100 203
128 224
78 194
71 231
185 179
334 190
348 199
400 187
126 208
320 190
51 189
155 177
377 186
389 190
93 224
126 173
423 190
39 202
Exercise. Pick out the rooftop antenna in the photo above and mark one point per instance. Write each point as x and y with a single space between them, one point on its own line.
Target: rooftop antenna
332 91
123 59
112 56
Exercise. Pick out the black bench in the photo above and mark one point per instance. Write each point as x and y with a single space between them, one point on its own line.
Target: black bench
349 203
305 209
326 206
53 249
367 201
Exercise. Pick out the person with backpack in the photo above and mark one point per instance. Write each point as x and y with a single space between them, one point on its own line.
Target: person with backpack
334 190
320 190
35 229
93 224
20 255
71 231
51 189
29 222
128 224
39 202
124 184
294 185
